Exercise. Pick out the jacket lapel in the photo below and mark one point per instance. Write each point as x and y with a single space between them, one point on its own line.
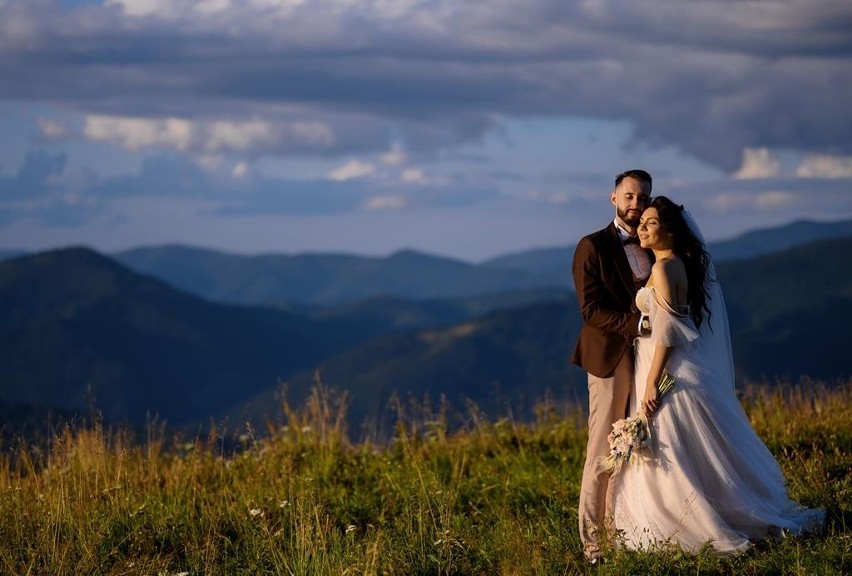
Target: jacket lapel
619 257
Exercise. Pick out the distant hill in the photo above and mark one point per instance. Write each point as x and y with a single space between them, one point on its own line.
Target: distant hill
770 240
556 262
6 254
322 278
504 361
552 262
300 283
77 327
789 313
392 314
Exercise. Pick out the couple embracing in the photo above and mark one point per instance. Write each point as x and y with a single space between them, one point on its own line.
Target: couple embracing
651 306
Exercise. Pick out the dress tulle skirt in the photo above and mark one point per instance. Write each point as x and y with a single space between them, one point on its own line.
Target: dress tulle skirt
707 478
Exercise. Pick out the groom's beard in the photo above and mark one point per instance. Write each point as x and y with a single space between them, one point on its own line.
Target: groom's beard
629 217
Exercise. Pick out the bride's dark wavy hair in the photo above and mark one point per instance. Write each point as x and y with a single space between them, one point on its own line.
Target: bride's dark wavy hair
690 249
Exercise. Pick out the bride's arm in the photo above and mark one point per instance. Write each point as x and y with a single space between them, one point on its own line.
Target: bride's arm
651 399
665 276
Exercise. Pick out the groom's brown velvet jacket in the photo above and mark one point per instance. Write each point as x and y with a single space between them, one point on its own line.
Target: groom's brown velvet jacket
606 291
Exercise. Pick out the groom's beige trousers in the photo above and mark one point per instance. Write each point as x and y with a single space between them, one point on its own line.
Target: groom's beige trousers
607 403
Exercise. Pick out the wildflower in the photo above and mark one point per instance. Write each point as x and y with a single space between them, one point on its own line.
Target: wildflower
284 504
255 512
441 541
351 528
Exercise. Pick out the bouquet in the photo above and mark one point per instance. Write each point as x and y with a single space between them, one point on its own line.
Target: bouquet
630 435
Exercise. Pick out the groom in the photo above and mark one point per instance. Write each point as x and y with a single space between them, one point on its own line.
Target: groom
609 268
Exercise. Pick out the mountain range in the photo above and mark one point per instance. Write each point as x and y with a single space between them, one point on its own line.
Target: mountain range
322 279
79 328
305 281
787 313
552 262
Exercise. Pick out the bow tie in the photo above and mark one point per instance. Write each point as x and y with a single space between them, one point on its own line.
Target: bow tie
630 240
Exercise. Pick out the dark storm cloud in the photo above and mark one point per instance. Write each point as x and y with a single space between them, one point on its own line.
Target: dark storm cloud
707 77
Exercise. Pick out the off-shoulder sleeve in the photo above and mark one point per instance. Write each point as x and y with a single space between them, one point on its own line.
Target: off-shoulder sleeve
668 328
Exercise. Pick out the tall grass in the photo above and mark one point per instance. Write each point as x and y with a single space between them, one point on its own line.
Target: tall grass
491 497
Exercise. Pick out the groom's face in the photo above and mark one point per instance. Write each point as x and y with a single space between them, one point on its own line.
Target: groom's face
630 198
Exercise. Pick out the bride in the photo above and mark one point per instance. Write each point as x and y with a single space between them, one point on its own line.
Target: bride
708 477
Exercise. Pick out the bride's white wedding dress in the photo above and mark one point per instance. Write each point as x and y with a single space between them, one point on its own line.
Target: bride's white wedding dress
708 477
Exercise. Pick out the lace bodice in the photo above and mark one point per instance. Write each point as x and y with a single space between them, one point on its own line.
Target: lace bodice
642 297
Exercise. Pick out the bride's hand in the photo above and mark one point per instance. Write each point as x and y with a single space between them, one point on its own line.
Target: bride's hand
651 400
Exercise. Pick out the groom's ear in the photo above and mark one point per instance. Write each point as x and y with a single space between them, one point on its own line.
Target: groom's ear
612 198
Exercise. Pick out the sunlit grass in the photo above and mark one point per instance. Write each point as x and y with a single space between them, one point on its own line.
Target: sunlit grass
490 497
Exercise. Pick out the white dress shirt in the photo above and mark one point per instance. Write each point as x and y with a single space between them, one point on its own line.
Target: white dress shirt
640 263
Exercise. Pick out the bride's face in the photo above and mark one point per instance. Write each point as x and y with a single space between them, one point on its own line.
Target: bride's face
651 233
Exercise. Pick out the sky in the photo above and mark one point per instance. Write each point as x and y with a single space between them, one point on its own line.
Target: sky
462 128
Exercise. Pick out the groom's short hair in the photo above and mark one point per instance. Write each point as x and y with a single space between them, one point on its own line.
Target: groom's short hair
640 175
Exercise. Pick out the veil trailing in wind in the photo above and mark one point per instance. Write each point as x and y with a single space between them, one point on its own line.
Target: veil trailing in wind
715 341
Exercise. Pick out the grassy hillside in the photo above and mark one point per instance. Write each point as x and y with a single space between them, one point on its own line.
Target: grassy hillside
496 497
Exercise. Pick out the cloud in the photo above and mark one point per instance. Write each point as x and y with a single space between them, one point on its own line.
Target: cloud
39 175
238 136
395 157
764 199
759 163
413 176
314 133
162 8
378 203
437 74
51 129
138 133
171 9
416 176
209 137
212 6
825 166
239 170
43 190
351 170
43 186
772 200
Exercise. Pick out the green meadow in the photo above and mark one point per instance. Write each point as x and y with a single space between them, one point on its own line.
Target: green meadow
483 497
